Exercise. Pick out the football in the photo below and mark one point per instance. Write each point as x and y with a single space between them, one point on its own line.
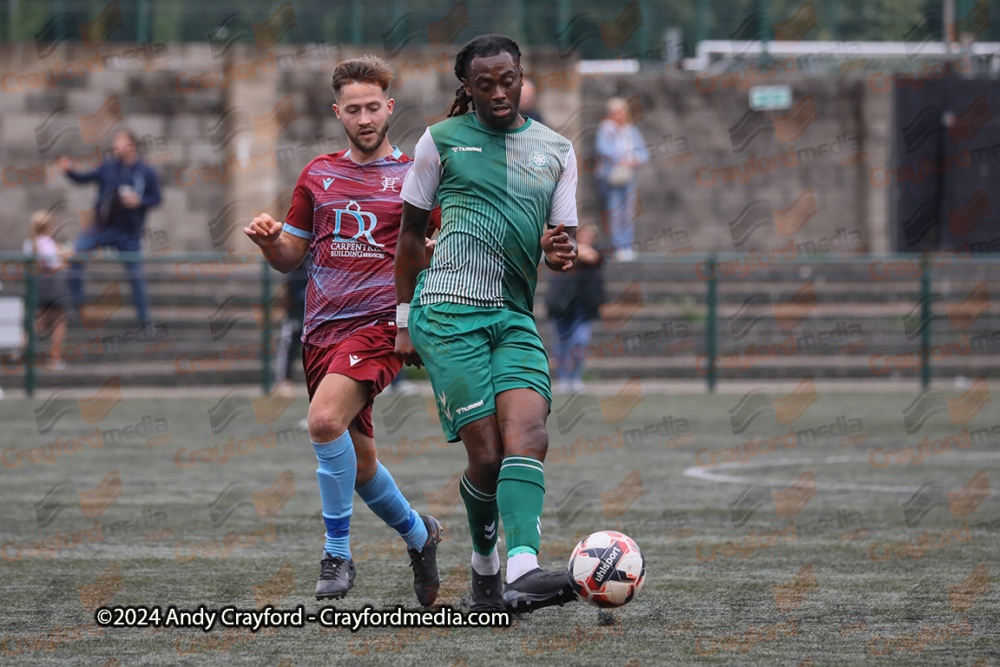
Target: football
608 568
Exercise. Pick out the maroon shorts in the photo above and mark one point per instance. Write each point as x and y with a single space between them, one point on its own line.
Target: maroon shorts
367 355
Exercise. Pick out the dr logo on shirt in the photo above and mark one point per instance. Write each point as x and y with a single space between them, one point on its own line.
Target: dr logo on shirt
363 220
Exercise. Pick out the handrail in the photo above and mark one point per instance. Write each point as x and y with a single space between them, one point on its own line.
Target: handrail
250 256
247 257
709 268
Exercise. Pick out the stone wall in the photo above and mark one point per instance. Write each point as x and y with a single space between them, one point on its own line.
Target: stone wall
711 159
229 133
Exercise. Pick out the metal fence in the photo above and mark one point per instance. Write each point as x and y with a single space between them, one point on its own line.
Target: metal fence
715 318
207 300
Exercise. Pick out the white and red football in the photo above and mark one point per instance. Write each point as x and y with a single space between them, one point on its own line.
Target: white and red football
608 568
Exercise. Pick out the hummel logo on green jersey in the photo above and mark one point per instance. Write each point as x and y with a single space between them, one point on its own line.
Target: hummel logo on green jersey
463 149
466 408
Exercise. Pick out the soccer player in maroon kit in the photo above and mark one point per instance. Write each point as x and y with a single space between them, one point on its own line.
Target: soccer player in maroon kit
346 209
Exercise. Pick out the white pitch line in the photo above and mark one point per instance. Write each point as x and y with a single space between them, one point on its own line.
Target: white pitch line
708 475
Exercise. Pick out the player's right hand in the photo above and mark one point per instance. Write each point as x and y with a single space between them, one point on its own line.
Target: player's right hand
559 247
405 349
264 231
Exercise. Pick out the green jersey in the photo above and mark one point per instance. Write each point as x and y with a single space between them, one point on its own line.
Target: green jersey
496 189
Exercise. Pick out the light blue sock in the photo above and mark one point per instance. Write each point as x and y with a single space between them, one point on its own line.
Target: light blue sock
382 495
338 469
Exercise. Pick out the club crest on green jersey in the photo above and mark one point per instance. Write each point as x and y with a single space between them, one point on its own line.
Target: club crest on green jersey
538 159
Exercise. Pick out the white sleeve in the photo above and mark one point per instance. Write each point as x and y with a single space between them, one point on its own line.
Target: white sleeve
564 198
421 182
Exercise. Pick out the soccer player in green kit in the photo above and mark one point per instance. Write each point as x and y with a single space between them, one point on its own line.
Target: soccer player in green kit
499 178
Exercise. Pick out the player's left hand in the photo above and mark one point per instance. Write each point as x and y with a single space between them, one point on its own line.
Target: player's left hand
558 247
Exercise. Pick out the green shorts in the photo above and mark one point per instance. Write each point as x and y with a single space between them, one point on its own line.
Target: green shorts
472 354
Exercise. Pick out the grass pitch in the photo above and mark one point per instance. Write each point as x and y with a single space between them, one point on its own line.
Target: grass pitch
825 547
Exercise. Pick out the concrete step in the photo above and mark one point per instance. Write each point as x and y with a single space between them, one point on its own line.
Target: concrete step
860 368
187 371
209 323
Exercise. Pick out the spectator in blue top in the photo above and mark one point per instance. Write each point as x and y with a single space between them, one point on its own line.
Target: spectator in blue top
126 188
620 150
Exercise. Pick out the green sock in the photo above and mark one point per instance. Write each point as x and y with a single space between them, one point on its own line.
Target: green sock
520 496
481 508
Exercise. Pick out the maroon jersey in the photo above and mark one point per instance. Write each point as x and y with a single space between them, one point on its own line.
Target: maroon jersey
350 212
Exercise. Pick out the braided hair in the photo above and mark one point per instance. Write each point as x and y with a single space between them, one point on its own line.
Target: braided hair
482 46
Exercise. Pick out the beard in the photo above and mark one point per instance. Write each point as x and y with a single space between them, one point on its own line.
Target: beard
368 143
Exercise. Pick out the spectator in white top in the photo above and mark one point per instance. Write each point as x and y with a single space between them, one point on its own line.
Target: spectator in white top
53 296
